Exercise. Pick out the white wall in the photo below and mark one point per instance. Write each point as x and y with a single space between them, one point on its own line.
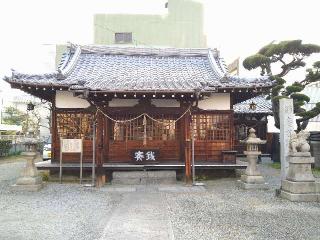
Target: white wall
66 99
133 102
165 103
123 102
1 107
217 101
312 126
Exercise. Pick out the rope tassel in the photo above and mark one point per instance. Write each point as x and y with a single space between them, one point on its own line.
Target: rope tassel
144 130
144 120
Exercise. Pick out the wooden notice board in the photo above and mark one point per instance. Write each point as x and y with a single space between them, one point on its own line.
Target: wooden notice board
71 146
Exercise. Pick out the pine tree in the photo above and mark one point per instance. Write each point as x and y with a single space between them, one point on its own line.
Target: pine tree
290 55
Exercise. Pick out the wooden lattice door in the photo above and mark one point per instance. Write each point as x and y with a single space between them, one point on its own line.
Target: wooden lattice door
213 134
160 133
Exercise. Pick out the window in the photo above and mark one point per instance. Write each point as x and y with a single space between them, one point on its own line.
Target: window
211 127
163 130
125 37
241 132
74 125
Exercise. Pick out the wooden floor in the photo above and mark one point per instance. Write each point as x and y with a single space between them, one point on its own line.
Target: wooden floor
159 166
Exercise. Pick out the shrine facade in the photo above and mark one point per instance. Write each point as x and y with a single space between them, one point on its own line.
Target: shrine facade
148 101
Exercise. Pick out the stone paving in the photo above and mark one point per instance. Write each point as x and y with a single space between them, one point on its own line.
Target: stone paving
218 211
140 216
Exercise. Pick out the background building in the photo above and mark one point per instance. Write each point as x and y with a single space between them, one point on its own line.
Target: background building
181 26
6 127
20 102
313 92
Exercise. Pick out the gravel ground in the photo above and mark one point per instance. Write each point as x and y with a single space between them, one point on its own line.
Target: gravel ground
222 211
226 212
66 211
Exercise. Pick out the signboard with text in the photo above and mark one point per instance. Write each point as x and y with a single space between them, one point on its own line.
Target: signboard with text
145 156
71 145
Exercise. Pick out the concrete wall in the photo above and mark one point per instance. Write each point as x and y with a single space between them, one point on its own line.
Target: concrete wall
217 101
182 26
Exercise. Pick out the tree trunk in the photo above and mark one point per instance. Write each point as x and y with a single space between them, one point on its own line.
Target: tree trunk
275 110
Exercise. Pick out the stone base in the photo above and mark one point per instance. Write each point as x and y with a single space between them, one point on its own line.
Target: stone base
300 191
144 177
29 180
28 188
300 167
257 179
248 186
29 183
300 197
299 187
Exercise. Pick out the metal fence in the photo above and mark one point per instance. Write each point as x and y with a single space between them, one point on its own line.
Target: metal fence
13 138
17 141
315 147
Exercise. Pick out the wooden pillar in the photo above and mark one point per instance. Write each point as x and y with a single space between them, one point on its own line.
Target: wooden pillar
54 133
232 130
187 150
101 176
106 139
182 138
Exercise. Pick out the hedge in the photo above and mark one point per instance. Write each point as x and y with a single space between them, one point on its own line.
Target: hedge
5 146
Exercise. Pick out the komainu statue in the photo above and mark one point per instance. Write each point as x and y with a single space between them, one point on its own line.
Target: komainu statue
298 142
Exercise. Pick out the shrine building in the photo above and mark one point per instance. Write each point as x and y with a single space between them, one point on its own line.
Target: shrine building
146 104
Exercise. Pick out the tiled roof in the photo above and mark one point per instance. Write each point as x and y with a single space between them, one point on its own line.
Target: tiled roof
262 105
110 68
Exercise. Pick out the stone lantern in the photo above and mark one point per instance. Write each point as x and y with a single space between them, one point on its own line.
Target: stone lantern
252 179
29 180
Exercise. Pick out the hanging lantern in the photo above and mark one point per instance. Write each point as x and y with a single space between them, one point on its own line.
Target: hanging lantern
30 106
252 106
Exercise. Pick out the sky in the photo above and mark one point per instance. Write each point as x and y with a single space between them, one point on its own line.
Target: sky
30 29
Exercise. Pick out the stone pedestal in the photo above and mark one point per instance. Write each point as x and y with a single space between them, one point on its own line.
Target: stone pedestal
29 180
144 177
300 184
252 179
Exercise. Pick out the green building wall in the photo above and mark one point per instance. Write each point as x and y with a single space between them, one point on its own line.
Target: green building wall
181 27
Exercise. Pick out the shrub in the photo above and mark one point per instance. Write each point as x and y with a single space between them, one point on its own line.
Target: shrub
5 146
